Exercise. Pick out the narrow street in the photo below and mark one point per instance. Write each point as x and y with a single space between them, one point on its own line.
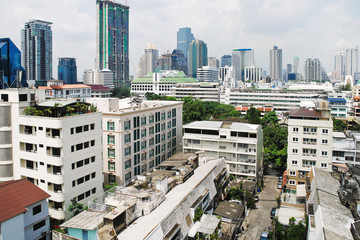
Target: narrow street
259 218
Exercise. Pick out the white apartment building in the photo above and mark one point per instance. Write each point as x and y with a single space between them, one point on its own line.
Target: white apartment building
310 141
67 91
103 77
253 73
240 144
204 91
207 74
346 147
227 76
137 138
60 154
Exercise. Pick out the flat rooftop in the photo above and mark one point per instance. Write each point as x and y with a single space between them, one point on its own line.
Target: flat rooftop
84 220
230 210
219 125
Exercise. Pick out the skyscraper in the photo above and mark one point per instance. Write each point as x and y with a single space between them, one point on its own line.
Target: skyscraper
276 63
226 60
242 58
296 65
178 61
313 70
184 37
352 61
213 62
12 74
148 61
112 39
340 66
36 48
197 56
67 70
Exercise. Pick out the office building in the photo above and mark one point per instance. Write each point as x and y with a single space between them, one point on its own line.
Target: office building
242 58
103 77
36 50
137 138
240 144
165 61
24 211
112 40
205 91
197 56
184 38
12 74
253 74
226 60
149 61
227 76
159 83
296 65
340 65
179 61
276 64
213 62
313 70
207 74
310 143
67 70
352 62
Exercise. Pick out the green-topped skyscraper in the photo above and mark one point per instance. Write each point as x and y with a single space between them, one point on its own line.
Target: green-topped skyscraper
112 39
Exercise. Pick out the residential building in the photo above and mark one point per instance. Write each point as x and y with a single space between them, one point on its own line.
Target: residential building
148 61
226 60
112 39
213 62
328 218
346 148
184 38
227 76
253 73
207 74
310 141
24 211
339 108
12 74
67 91
59 150
36 50
160 83
100 91
197 57
313 70
276 64
137 138
242 58
240 144
103 77
352 62
204 91
67 70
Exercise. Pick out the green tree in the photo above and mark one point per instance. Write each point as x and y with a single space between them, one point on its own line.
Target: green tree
121 92
193 111
29 111
275 146
339 125
253 115
198 214
250 200
346 87
297 231
270 119
75 207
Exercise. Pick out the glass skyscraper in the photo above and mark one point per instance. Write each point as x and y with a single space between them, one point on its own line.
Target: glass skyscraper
36 49
184 37
112 39
197 56
67 70
10 65
226 60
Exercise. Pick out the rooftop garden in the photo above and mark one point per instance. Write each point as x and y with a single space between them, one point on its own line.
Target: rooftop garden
60 110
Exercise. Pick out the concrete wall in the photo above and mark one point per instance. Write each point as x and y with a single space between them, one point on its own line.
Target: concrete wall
13 228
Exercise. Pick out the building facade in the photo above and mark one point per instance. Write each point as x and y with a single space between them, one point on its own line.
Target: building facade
207 74
226 60
202 90
112 39
253 73
148 61
240 144
340 65
213 62
80 91
197 57
276 64
136 139
36 50
184 38
242 58
179 61
312 70
352 62
227 76
310 141
67 70
103 77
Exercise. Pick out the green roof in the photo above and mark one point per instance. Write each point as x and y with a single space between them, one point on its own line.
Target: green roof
165 80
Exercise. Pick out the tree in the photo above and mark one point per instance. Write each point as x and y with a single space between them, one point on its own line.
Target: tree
270 119
250 200
346 87
121 92
339 125
75 207
253 115
198 214
297 231
29 111
193 111
275 146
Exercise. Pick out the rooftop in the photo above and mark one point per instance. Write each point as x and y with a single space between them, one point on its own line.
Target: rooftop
99 87
12 203
339 135
65 86
230 210
304 112
218 125
84 220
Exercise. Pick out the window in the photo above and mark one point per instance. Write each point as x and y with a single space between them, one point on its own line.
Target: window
93 175
127 151
143 145
143 121
128 176
93 191
81 197
111 126
295 129
324 141
127 138
111 153
79 129
92 126
162 116
151 130
111 178
292 182
324 165
294 162
86 128
111 139
143 133
295 139
151 142
127 125
151 119
39 225
295 151
92 143
37 209
151 153
292 173
93 159
169 114
324 153
111 166
325 131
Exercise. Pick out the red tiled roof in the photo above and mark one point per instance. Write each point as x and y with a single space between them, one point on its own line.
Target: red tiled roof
16 195
99 87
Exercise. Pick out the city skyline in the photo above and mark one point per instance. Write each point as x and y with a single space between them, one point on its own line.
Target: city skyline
297 27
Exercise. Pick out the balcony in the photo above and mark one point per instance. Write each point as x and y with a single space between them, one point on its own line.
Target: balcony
54 152
53 133
28 147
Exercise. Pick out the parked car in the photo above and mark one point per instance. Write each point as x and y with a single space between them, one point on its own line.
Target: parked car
273 213
264 236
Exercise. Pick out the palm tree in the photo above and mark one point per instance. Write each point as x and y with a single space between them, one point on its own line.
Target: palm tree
48 111
70 110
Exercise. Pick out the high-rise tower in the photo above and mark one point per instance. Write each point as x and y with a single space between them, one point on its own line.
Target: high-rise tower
112 39
226 60
184 37
197 56
340 65
67 70
276 63
352 64
36 49
313 70
242 58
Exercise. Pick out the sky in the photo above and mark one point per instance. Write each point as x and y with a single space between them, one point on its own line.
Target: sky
301 28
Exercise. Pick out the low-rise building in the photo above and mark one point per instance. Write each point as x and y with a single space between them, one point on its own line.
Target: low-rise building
23 211
240 144
100 91
338 107
346 147
204 91
67 91
207 74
